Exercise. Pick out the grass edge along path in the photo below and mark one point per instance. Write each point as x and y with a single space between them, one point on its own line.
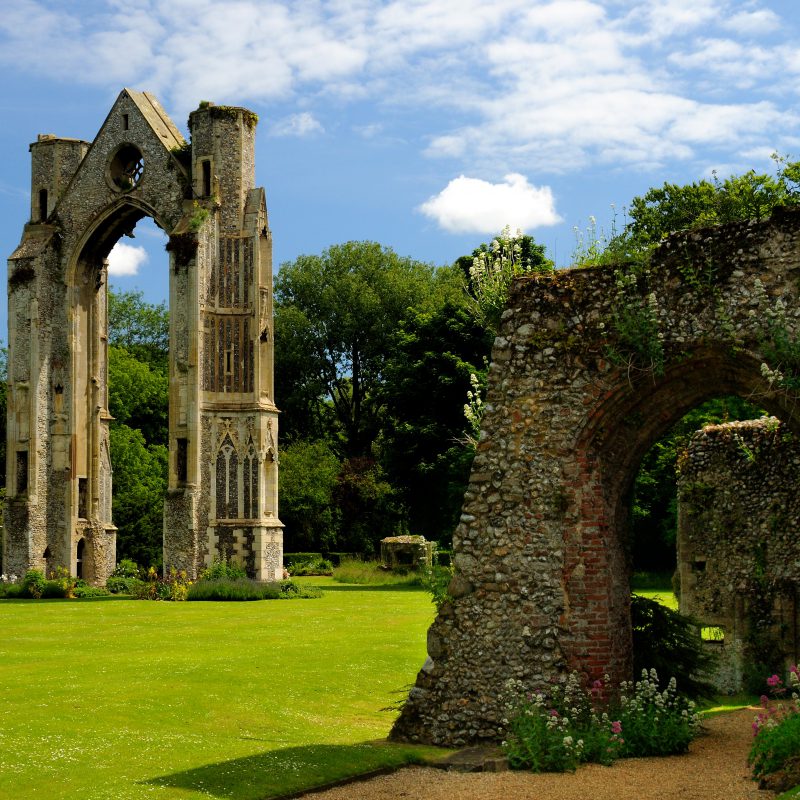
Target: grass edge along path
132 699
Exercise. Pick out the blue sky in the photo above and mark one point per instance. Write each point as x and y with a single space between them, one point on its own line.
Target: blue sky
425 126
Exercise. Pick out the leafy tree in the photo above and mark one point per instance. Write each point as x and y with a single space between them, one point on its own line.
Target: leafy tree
335 314
140 327
672 207
3 409
427 378
654 503
367 504
138 391
309 474
140 484
138 395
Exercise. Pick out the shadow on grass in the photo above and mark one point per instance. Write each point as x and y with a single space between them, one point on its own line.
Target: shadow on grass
277 773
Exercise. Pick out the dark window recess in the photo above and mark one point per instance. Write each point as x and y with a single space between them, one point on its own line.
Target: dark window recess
699 566
206 178
124 122
22 471
82 487
42 205
79 558
46 555
182 460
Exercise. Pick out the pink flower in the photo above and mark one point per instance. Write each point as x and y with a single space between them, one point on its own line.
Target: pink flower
553 712
773 680
616 727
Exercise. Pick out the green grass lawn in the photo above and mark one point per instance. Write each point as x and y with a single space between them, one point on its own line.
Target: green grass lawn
663 596
131 699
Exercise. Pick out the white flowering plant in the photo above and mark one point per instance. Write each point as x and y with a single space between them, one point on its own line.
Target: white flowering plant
558 728
570 723
656 723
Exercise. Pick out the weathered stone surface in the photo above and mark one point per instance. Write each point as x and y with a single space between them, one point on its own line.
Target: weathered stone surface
223 431
542 536
738 522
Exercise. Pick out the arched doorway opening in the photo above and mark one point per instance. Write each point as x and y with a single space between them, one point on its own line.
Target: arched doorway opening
92 462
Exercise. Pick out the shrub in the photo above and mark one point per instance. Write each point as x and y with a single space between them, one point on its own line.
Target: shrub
173 586
83 590
223 570
126 569
436 580
11 591
670 643
122 585
244 589
33 584
655 722
54 589
61 583
775 754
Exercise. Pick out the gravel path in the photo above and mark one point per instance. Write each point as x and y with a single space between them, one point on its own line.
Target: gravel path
715 768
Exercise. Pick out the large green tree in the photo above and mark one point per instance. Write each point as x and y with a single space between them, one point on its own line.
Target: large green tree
336 315
138 390
424 448
139 327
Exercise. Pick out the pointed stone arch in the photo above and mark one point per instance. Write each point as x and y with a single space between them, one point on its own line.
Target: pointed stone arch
542 580
85 196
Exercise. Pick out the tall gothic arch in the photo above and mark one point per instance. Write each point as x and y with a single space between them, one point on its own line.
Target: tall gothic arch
84 197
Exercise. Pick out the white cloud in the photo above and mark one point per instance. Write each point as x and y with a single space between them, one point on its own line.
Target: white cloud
125 259
753 22
471 205
499 85
302 124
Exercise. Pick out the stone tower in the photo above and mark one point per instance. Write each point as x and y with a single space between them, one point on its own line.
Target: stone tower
223 477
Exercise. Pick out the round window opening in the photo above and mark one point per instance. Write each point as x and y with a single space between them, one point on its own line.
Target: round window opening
126 167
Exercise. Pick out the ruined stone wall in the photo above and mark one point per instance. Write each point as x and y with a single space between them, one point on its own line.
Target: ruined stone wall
541 584
738 536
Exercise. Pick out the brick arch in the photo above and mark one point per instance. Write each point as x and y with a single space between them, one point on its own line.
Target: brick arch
541 584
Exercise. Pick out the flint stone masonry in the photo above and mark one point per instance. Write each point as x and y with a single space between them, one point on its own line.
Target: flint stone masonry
223 484
406 551
542 583
738 523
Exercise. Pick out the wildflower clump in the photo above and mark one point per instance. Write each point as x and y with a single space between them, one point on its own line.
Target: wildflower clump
656 723
775 755
556 729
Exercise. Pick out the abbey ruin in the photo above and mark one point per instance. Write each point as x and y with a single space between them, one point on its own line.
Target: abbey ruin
541 584
574 402
223 425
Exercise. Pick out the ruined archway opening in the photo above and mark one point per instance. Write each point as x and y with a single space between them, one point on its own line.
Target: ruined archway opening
120 391
138 390
636 420
653 500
